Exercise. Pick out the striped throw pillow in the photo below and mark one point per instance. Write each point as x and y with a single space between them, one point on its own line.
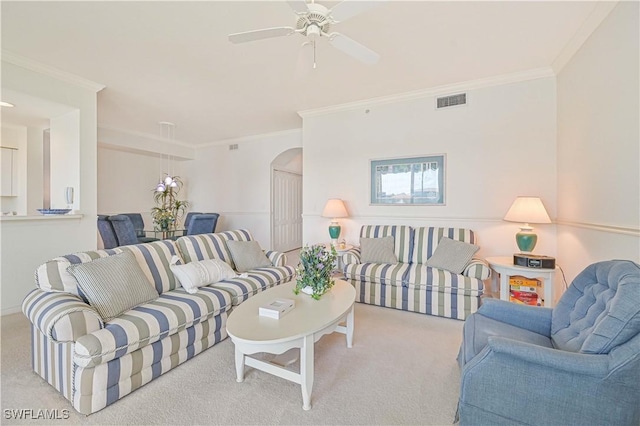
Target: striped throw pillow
452 255
114 284
378 250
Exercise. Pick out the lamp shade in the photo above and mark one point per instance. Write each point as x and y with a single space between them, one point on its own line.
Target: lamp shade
334 208
527 210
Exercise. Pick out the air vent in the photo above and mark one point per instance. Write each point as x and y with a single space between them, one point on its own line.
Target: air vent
233 147
453 100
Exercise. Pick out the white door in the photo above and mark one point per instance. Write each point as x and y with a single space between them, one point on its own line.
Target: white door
287 211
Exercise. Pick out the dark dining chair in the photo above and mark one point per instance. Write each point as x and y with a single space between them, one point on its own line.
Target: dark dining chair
107 233
138 226
125 232
188 217
202 223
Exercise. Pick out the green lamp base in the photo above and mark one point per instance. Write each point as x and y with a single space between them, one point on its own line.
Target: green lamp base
334 230
526 241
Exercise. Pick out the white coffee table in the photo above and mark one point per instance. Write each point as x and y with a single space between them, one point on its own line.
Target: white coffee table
300 328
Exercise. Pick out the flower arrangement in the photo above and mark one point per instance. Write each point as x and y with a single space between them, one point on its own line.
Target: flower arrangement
168 208
314 270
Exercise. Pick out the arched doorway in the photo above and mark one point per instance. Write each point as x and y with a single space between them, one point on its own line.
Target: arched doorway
286 200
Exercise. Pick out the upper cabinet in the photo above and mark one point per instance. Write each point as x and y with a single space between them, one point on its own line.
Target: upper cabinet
8 172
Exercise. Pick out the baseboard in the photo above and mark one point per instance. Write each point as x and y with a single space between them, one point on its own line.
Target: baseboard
11 310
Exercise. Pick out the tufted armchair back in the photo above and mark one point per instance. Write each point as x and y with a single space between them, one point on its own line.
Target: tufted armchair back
600 310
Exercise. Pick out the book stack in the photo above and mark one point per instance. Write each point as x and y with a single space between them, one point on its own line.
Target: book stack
524 291
276 309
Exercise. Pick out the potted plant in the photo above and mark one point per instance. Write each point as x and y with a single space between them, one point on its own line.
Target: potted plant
169 209
314 270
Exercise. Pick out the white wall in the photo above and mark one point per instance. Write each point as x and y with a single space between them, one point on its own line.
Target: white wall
65 159
237 184
126 181
16 137
25 244
598 146
34 169
499 146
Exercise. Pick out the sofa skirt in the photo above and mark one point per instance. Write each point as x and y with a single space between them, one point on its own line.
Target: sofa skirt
93 388
444 302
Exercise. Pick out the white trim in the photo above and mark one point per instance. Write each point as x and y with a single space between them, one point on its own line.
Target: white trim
598 227
516 77
18 218
68 77
251 138
11 310
600 11
144 135
245 213
413 217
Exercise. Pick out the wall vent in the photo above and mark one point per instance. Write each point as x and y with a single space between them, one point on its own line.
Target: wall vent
233 147
453 100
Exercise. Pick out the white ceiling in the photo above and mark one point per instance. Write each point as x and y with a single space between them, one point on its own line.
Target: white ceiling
171 61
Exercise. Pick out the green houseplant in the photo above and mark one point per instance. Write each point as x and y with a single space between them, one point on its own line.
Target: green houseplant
313 275
169 209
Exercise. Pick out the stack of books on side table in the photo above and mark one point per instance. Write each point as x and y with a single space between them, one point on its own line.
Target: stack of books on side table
524 291
277 309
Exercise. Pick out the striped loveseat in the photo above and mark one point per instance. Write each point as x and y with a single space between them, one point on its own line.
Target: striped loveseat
410 285
93 363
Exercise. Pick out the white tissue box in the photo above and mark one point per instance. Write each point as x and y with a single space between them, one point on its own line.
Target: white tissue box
277 308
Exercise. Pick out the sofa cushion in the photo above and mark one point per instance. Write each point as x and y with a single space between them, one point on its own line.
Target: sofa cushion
113 284
247 255
210 246
452 255
377 250
167 315
246 285
401 237
426 240
442 280
379 273
198 274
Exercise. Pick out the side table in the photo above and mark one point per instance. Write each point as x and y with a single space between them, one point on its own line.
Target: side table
503 265
340 251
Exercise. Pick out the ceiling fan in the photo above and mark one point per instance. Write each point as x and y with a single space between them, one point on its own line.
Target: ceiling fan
314 22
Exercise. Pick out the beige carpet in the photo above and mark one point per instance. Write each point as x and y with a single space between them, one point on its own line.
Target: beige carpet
401 370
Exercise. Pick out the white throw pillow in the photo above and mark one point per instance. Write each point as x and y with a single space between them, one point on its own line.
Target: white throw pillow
452 255
198 274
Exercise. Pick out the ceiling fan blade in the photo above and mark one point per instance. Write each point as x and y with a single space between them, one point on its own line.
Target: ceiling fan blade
260 34
354 49
348 9
298 6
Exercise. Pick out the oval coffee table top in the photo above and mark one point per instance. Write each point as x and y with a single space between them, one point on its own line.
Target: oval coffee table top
308 316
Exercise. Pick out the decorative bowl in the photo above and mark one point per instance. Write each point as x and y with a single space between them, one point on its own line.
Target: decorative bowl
53 211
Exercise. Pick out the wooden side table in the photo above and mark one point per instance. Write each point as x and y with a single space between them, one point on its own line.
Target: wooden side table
503 265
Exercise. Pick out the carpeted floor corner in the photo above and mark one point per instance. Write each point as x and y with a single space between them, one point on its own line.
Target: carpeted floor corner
401 370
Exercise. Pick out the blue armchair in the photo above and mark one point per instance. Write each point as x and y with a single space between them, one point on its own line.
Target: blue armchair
108 235
202 223
575 364
138 226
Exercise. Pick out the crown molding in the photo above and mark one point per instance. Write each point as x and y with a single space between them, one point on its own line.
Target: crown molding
516 77
600 227
600 11
146 136
251 138
38 67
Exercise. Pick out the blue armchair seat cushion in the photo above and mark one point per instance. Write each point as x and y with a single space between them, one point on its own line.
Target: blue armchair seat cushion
478 329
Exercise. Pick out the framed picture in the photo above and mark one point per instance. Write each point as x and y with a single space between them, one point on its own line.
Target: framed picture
408 181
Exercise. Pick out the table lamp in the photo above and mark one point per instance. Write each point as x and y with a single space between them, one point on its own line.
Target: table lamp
334 209
527 210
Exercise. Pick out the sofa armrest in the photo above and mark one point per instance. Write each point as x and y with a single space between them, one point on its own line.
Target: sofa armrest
61 317
477 268
351 256
532 318
276 258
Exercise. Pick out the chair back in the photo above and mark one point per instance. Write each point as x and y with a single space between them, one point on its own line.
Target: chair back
188 217
108 235
600 309
123 227
138 223
202 224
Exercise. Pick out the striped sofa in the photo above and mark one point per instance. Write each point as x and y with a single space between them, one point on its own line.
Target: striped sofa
93 363
410 285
